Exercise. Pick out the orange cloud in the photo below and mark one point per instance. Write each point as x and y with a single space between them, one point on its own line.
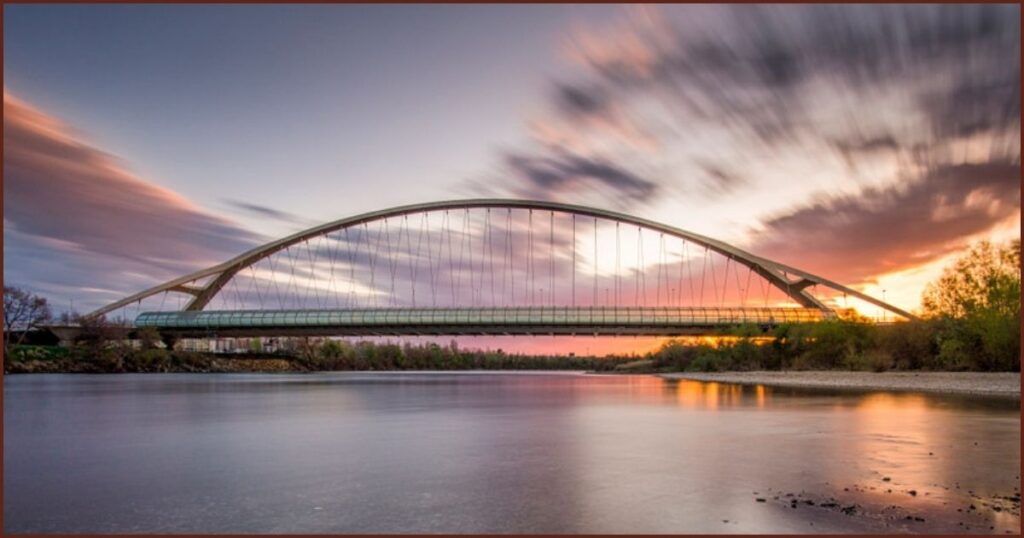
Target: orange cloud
854 238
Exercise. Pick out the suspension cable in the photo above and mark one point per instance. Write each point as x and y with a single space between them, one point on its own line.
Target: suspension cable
430 262
725 281
703 276
332 249
551 257
490 253
639 265
372 249
254 284
414 264
390 260
352 255
273 281
574 260
451 257
511 297
529 266
714 280
661 265
595 263
618 264
746 289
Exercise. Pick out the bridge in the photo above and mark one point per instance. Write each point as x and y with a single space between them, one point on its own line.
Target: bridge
488 267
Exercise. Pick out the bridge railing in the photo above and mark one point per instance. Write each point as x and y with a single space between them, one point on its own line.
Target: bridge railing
534 316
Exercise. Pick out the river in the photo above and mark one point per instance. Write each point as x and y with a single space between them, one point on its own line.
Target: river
497 453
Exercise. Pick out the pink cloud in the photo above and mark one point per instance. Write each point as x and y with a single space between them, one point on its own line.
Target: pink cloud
59 187
74 215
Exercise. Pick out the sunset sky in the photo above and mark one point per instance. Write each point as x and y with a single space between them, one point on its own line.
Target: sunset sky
866 144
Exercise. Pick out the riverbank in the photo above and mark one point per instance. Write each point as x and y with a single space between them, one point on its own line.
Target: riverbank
997 384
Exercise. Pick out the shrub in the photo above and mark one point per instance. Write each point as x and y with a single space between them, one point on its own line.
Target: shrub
148 360
911 345
674 355
874 360
705 362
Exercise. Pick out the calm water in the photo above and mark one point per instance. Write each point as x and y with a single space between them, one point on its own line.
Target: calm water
495 453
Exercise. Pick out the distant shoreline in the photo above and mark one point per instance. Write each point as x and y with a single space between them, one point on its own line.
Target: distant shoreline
991 384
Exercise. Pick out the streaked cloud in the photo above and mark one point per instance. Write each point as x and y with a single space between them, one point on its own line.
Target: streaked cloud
863 139
263 212
853 238
96 219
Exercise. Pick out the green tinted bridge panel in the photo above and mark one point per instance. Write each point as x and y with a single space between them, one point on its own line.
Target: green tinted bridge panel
524 320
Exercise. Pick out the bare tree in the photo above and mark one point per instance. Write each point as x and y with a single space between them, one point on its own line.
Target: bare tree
23 312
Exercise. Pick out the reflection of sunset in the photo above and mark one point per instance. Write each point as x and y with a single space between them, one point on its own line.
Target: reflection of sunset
894 431
854 442
907 453
699 395
818 445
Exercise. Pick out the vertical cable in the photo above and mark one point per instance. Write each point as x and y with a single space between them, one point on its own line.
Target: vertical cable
639 265
490 253
430 262
332 249
574 260
529 262
390 259
725 280
351 270
618 264
551 256
703 275
372 249
511 297
507 252
595 263
661 265
451 258
746 289
414 260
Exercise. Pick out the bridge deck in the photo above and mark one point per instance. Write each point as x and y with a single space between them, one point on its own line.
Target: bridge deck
455 321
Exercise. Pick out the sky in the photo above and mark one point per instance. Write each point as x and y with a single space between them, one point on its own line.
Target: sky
866 144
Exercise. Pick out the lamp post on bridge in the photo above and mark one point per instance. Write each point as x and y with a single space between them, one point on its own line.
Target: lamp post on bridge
885 318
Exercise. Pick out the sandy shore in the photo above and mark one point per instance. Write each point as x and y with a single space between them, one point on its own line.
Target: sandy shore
1006 385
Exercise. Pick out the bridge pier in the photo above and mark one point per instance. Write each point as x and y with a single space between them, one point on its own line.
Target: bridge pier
169 340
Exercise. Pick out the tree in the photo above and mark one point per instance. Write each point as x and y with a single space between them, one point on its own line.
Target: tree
23 311
984 281
976 301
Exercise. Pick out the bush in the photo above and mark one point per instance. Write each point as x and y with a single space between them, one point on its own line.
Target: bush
743 355
833 343
911 345
705 362
674 355
36 353
874 360
148 360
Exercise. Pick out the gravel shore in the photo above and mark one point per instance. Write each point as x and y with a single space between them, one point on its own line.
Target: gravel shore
1002 384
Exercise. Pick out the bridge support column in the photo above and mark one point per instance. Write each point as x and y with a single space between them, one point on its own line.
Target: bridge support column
169 340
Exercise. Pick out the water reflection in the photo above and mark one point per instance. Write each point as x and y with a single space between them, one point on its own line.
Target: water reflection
486 453
712 396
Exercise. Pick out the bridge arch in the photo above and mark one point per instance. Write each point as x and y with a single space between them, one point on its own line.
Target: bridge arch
793 282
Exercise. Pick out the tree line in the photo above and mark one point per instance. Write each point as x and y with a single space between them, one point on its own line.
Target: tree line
971 321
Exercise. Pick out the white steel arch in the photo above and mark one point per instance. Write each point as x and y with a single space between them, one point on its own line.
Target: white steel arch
790 280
